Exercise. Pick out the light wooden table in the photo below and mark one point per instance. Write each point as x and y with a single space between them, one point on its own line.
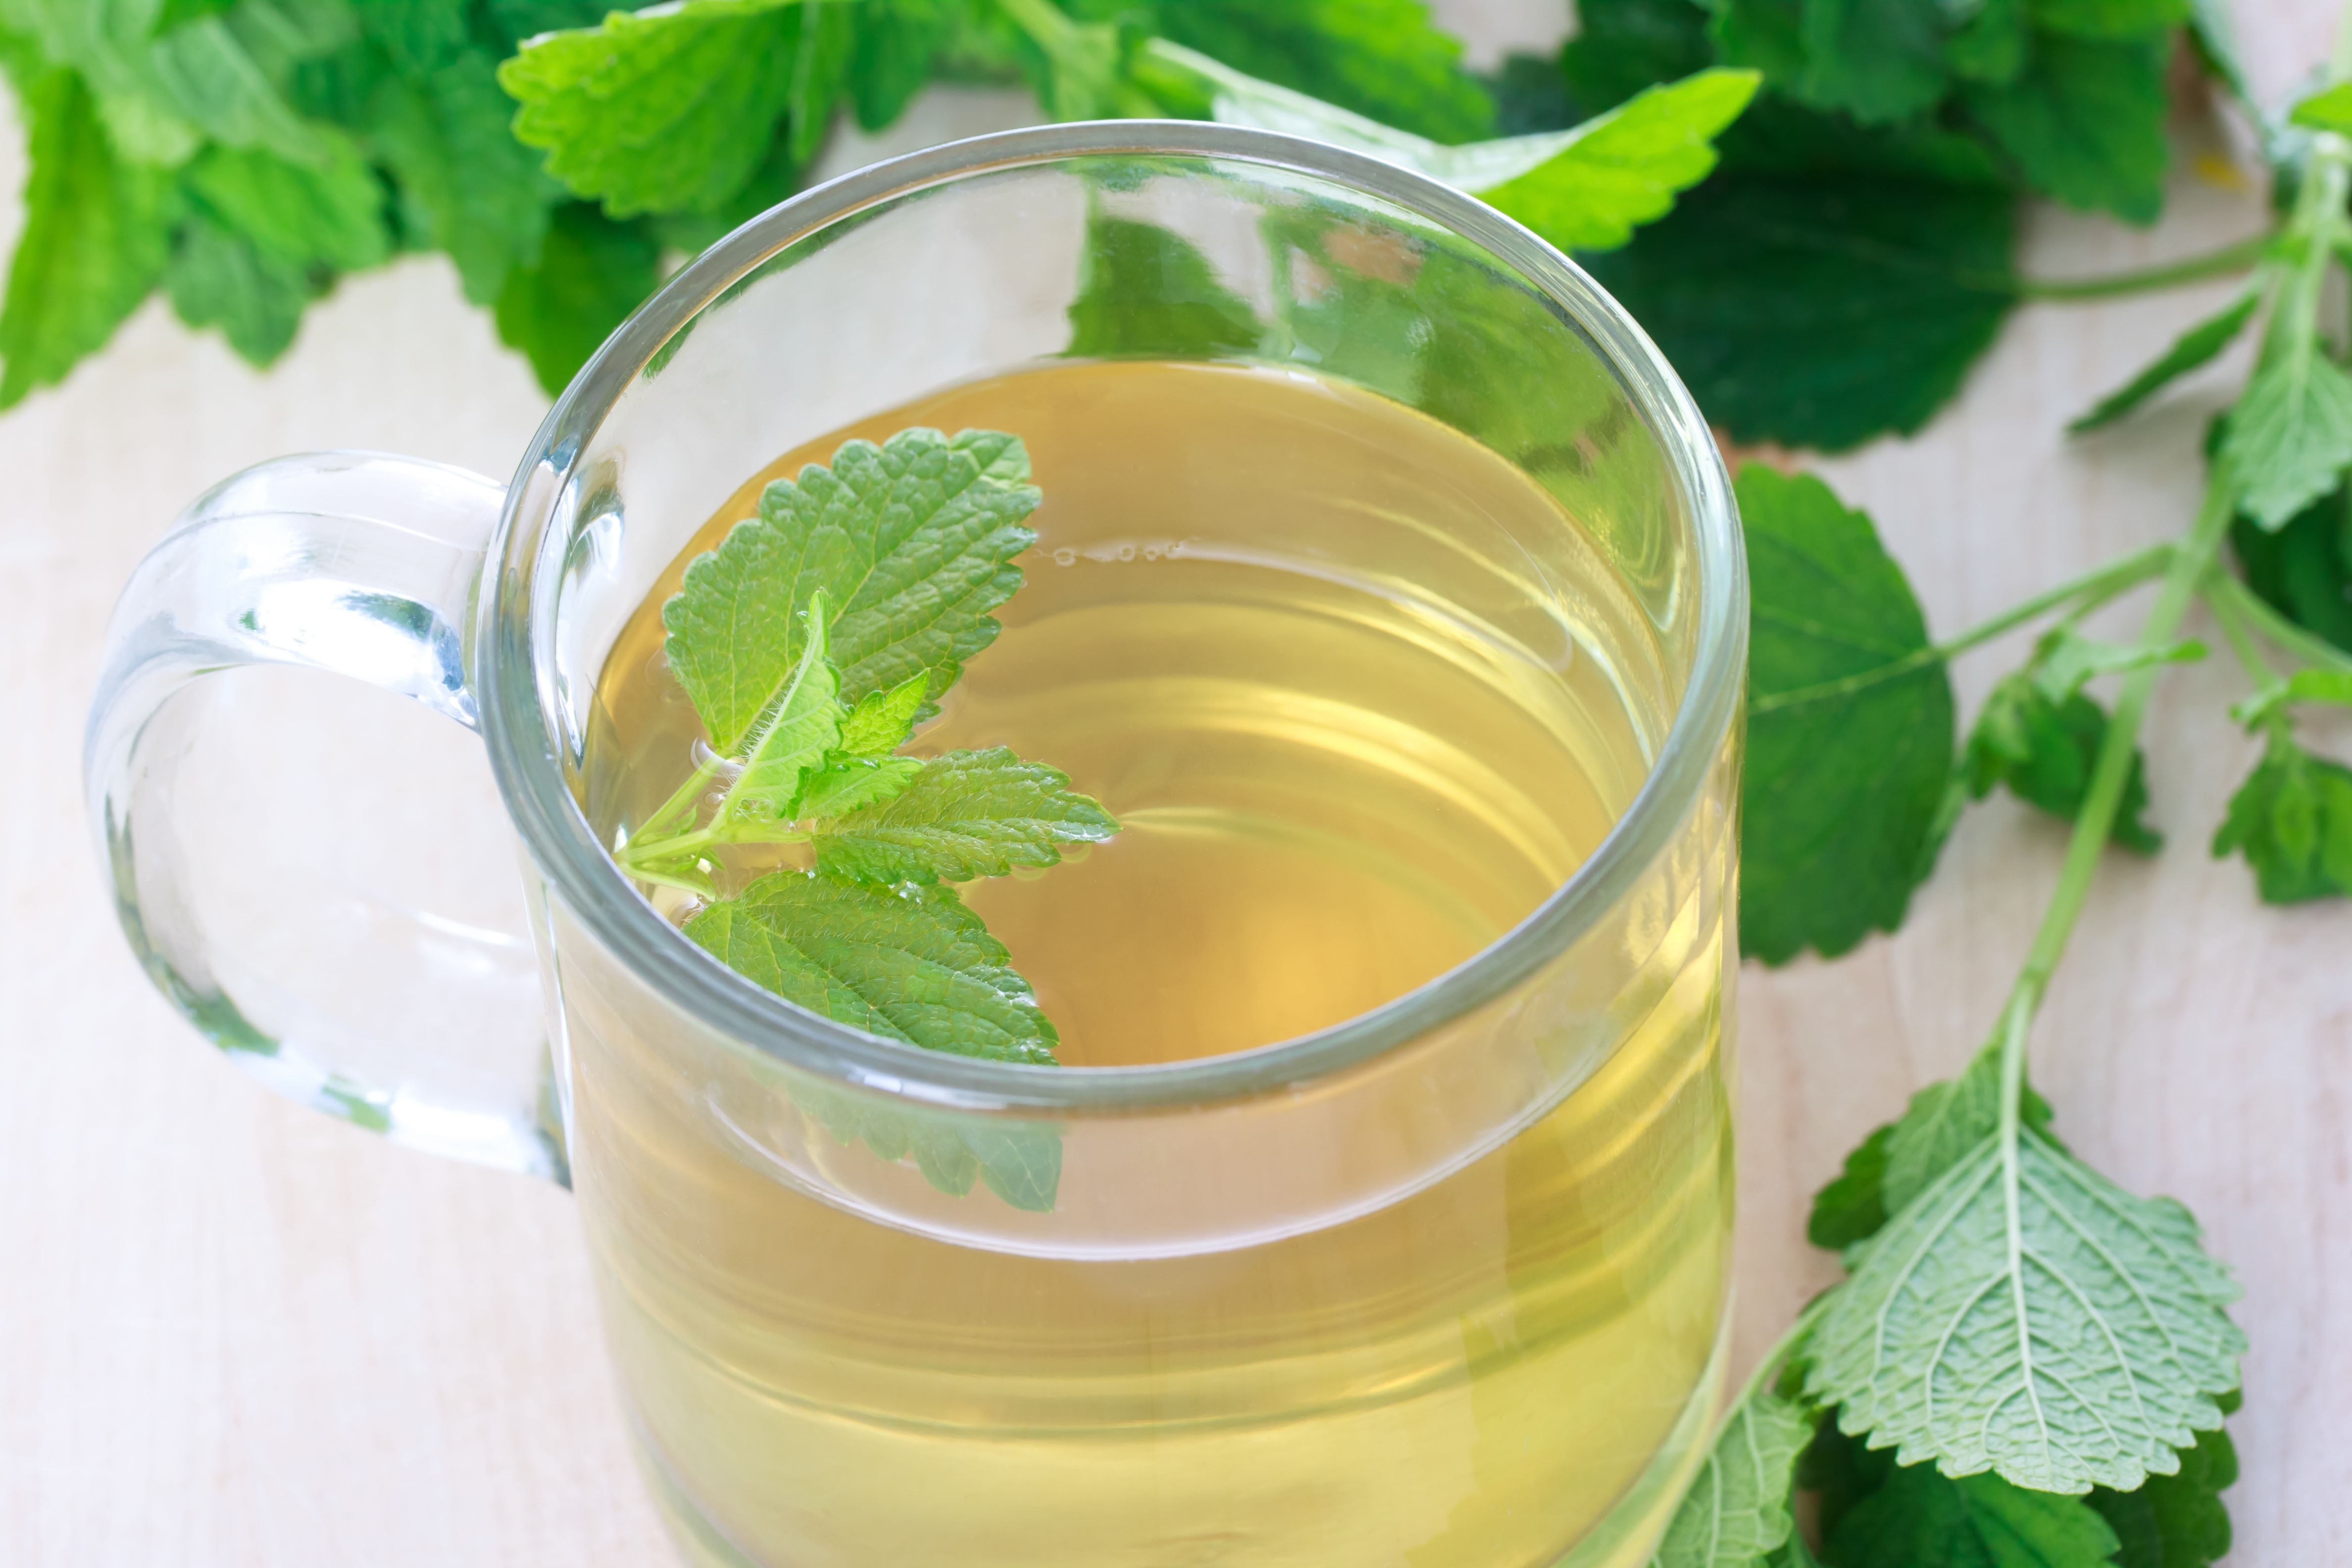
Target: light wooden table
235 1333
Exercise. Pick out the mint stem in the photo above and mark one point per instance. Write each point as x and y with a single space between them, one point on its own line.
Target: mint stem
2223 590
2235 257
2082 595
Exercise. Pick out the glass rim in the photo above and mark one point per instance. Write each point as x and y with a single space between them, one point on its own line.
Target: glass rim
516 730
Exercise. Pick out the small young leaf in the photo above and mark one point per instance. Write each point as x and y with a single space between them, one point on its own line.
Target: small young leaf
1625 167
661 112
1144 290
1922 1519
797 725
882 720
591 272
2330 109
1850 725
912 540
910 965
966 814
1736 1513
2291 820
2080 1345
2290 435
2044 750
2177 1520
2196 346
96 240
1820 312
2084 121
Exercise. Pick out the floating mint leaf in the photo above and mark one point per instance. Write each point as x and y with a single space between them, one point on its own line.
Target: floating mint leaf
800 724
2026 1315
882 720
1021 1161
847 784
1735 1515
912 540
967 814
906 963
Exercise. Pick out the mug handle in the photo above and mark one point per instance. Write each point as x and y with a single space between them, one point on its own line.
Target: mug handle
362 564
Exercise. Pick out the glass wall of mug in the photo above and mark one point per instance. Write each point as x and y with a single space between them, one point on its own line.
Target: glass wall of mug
1441 1285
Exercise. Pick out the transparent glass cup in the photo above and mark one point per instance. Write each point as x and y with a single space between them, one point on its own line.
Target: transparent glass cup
1441 1285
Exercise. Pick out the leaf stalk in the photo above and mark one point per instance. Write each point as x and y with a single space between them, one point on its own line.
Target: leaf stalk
2236 257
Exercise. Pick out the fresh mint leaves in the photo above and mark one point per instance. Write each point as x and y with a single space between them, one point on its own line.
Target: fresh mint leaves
811 641
1736 1509
1850 725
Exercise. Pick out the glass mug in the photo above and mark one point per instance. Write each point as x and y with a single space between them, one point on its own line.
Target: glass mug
1441 1285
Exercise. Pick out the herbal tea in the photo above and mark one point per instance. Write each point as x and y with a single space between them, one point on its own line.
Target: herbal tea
1335 774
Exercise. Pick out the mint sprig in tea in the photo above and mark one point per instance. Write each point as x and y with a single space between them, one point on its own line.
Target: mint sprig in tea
1285 718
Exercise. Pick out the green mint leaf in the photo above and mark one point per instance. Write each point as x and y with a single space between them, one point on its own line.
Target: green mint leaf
2110 18
798 724
1942 1124
2290 435
95 241
2044 750
909 964
890 60
1736 1513
1385 59
1625 167
518 20
2084 121
1821 312
325 213
1878 60
2333 687
849 783
2329 108
1853 1206
1623 45
1020 1161
2177 1520
467 185
213 77
2303 571
590 273
1921 1518
1586 187
220 278
1850 725
420 37
1143 290
966 814
882 720
2080 1346
913 541
2292 821
661 112
2199 345
1990 46
1761 34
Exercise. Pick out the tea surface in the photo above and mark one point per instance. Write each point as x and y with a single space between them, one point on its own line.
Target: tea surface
1354 733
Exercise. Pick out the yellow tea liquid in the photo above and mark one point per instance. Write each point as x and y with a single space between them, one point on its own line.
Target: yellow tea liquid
1333 786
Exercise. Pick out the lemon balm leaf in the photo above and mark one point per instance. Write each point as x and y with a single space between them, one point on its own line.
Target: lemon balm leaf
1736 1513
965 815
847 784
2177 1520
2027 1316
798 725
2084 121
2292 821
2290 436
661 112
906 963
912 541
882 720
1850 731
2044 751
1922 1519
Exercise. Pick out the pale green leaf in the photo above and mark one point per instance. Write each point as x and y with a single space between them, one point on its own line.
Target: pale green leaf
912 540
1736 1513
846 784
796 726
966 814
2084 1344
882 720
95 241
2330 109
2333 687
662 112
2290 436
910 965
1943 1125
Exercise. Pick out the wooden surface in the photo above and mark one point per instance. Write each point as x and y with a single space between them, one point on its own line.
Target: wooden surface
233 1332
